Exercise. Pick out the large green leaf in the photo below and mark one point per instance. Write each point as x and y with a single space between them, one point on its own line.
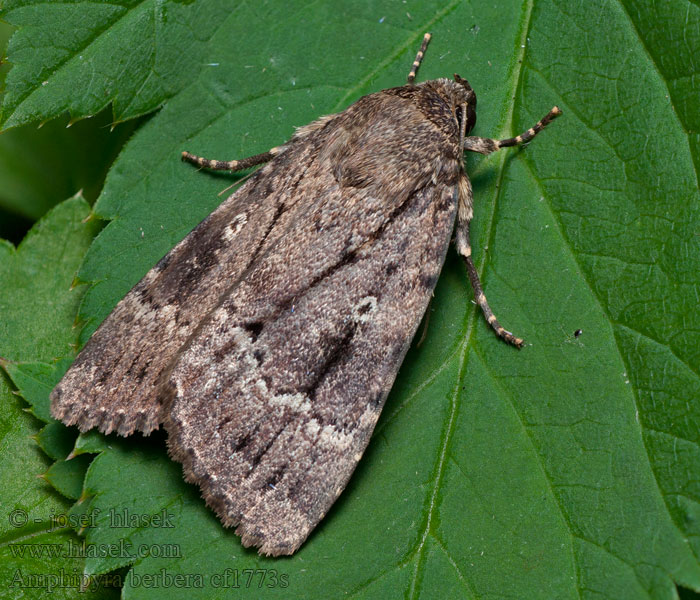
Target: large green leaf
566 470
37 304
41 165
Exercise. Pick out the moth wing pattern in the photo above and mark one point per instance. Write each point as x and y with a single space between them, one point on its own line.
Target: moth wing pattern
266 342
114 383
273 401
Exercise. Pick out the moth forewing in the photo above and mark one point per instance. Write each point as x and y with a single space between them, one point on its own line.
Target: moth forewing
266 341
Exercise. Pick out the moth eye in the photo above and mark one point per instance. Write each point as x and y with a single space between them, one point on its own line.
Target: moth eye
471 117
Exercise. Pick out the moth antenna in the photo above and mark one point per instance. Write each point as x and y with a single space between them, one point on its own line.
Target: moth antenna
419 58
231 165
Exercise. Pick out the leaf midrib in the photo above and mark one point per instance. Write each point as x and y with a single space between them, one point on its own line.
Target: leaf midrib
418 554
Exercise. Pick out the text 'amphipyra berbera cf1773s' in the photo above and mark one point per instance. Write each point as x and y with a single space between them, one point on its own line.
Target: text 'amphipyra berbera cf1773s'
266 341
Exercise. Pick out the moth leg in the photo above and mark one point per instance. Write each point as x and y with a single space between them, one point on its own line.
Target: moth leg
419 58
231 165
465 250
487 145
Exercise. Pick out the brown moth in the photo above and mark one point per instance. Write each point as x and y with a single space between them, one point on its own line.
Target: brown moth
266 341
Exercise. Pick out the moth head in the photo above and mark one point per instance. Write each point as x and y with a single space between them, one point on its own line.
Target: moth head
469 98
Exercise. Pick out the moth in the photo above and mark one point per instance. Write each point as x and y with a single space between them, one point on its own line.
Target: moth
267 340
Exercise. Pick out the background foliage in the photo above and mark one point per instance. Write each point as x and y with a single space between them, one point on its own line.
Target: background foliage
566 470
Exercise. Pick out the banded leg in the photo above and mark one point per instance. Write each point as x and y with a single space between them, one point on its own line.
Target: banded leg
465 250
231 165
419 58
487 145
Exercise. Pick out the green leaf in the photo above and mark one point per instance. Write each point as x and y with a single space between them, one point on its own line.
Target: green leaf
92 442
565 470
38 296
133 53
36 303
21 488
53 440
41 167
67 475
35 380
5 33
